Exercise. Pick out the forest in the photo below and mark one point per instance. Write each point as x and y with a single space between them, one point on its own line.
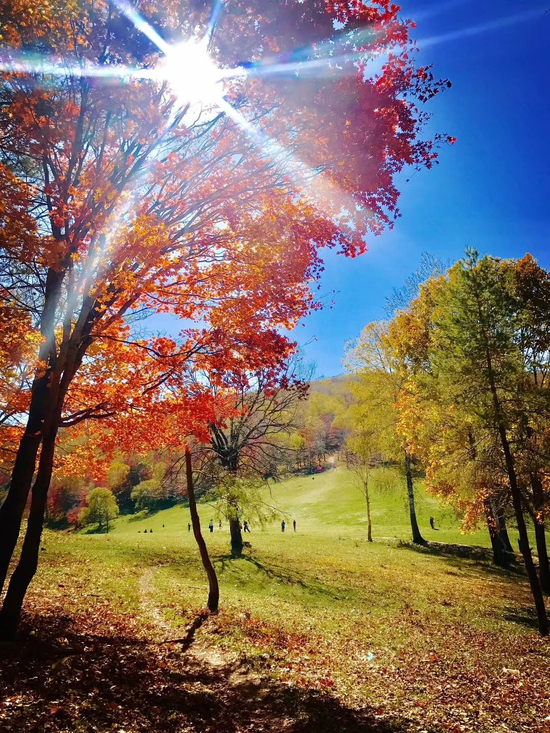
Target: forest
199 531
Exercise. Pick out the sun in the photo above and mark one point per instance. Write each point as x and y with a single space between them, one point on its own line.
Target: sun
192 74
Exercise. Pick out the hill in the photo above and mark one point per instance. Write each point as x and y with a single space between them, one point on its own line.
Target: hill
331 503
318 631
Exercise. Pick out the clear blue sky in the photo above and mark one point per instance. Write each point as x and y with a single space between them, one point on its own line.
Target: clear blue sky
490 191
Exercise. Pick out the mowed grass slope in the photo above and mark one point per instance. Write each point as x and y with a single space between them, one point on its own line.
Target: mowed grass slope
421 642
330 503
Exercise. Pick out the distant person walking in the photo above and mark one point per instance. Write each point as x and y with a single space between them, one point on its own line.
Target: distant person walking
246 528
283 525
220 525
432 524
189 526
294 524
211 525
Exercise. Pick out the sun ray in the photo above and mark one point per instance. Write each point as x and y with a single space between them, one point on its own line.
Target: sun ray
313 184
213 22
142 25
27 63
476 30
438 9
343 65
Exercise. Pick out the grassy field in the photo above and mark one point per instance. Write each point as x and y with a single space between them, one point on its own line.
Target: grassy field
318 630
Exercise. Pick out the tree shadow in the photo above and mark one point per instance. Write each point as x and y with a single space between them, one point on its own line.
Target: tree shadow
59 680
523 616
192 629
282 575
479 560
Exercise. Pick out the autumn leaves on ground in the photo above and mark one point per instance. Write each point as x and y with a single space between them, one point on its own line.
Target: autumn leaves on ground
319 629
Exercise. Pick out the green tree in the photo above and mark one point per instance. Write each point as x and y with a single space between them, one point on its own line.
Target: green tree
362 460
379 375
458 455
150 492
101 510
478 358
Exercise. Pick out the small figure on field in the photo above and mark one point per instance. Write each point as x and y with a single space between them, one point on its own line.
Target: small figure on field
144 531
211 525
189 526
294 524
283 525
220 525
246 528
163 526
150 531
432 523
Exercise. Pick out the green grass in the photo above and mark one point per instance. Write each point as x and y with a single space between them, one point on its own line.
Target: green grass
329 504
378 622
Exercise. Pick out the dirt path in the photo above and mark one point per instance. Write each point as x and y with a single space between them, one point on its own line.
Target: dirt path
194 642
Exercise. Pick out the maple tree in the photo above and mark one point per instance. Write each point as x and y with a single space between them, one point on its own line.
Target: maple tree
123 197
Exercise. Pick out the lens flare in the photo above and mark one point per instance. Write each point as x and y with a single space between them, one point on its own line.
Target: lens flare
192 74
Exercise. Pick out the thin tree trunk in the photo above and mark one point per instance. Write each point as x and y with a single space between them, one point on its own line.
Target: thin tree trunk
540 534
28 561
214 590
416 536
236 536
514 487
369 523
518 509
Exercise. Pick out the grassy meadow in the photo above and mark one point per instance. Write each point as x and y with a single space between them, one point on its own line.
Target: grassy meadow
318 630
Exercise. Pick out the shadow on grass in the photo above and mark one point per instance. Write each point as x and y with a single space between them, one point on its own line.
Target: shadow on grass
283 575
523 616
479 559
58 680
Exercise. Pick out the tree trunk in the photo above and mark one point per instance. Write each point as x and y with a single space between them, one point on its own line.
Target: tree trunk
28 561
504 534
542 552
214 590
518 509
369 523
11 512
236 536
416 536
540 534
501 555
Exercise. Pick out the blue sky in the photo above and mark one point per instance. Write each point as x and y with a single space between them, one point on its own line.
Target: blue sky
490 191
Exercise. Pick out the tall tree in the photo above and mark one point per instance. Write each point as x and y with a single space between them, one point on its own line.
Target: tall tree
380 376
135 188
480 387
